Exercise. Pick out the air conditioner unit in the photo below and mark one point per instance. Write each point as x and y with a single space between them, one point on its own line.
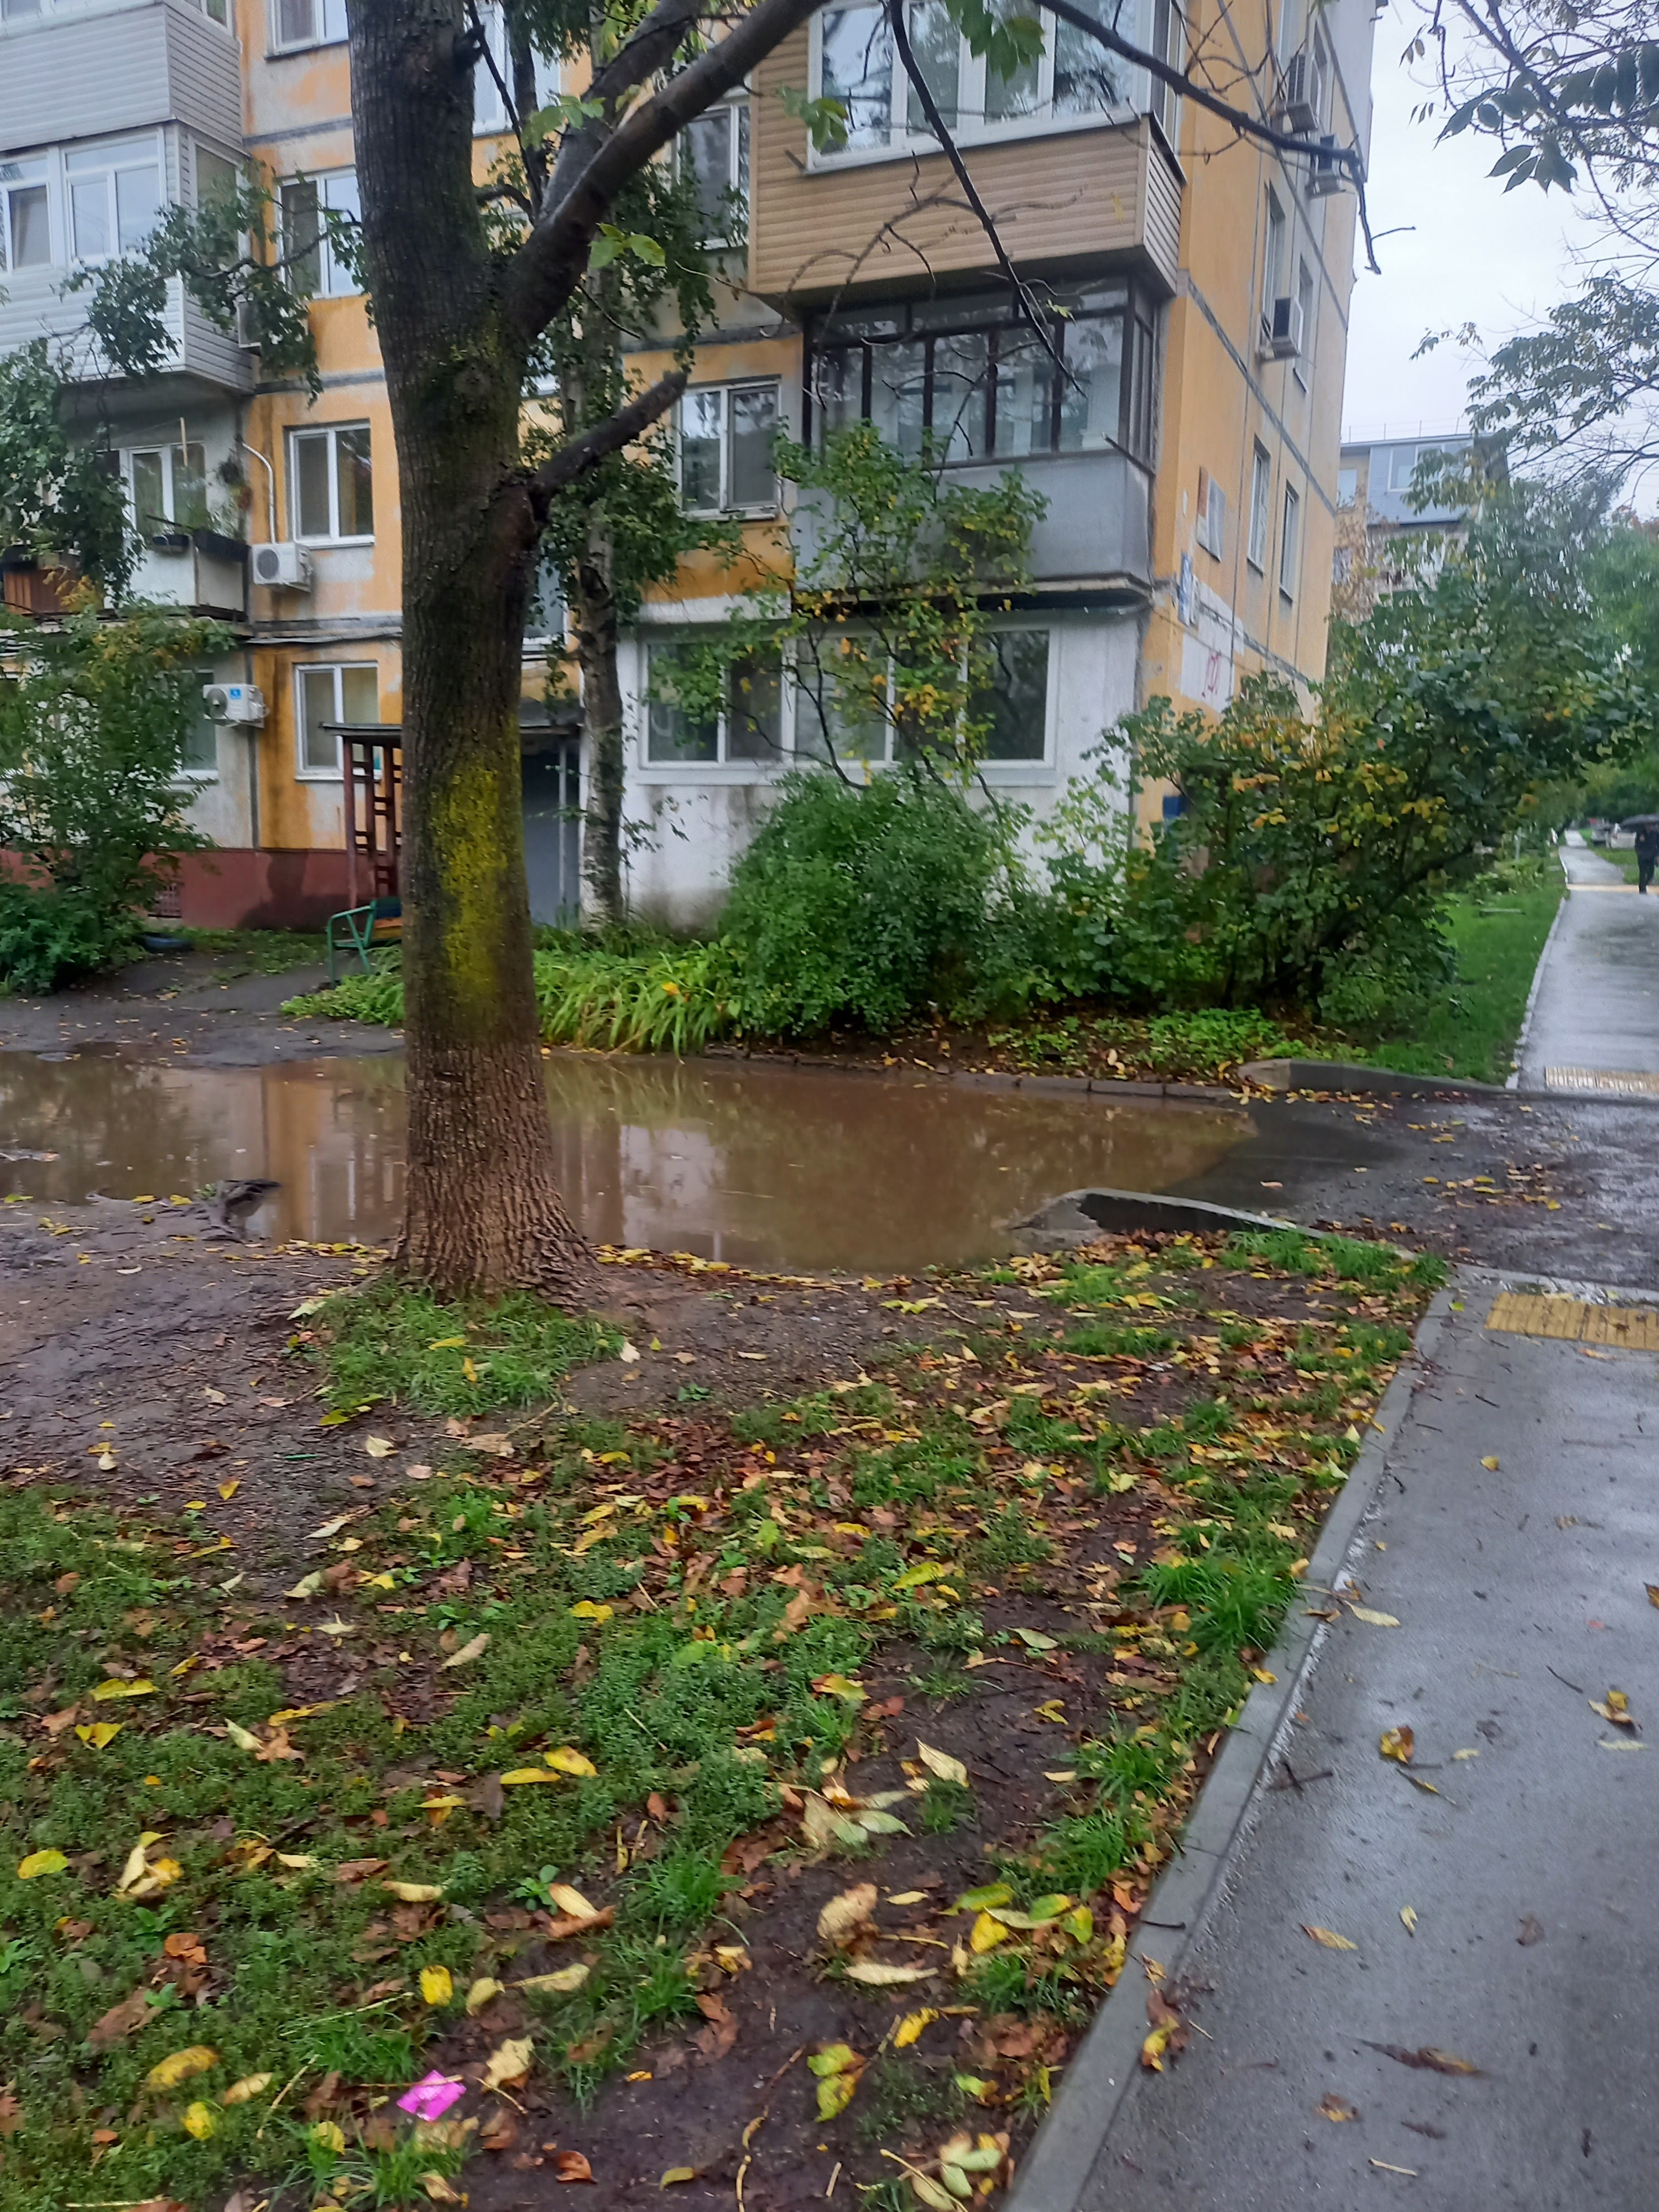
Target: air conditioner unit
234 702
286 566
1325 173
1299 95
1281 333
246 336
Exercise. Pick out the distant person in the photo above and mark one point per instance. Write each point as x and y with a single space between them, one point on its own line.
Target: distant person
1647 853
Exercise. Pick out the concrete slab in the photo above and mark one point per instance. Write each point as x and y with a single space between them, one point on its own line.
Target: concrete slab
1597 1001
1520 1592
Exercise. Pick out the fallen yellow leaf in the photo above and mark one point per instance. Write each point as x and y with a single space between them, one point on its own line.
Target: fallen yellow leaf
559 1984
105 1691
571 1901
40 1862
414 1893
482 1991
986 1934
877 1975
941 1764
1491 1462
516 1776
182 2066
585 1609
677 2173
910 2029
1397 1743
250 2085
844 1915
379 1447
509 2063
198 2121
437 1987
328 2136
98 1732
468 1652
1376 1620
1328 1937
567 1761
1407 1914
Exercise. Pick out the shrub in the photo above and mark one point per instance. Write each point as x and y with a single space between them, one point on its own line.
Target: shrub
48 938
869 904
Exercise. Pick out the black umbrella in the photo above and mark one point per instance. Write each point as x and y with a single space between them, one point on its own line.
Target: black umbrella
1640 822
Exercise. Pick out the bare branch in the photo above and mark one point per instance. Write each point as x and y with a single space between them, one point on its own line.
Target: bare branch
581 453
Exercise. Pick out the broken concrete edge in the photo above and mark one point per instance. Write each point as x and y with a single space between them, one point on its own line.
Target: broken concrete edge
1519 1054
970 1078
1078 1216
1056 2171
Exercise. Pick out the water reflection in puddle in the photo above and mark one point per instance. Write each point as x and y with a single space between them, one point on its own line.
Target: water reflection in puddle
765 1167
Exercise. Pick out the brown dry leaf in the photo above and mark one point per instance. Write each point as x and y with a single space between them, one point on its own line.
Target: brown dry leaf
1532 1931
11 2112
1334 2109
1424 2058
1615 1708
1397 1743
439 2190
500 2132
571 2165
1652 1589
359 1869
120 2020
1376 1620
1168 2032
844 1915
1328 1937
469 1651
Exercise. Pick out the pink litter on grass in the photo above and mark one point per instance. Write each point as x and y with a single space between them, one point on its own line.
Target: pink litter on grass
432 2096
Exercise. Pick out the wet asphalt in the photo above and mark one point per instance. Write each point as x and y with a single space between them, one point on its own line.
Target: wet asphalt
1598 996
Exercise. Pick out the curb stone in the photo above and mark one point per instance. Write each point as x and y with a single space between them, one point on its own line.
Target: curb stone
1055 2173
1520 1052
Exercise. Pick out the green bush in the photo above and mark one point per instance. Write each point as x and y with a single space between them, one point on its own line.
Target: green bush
48 938
867 904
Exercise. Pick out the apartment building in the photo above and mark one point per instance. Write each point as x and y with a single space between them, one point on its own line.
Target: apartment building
1194 285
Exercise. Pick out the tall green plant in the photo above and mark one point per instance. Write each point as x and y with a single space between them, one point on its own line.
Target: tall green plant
59 496
93 719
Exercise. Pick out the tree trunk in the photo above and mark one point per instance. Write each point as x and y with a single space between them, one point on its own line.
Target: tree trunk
593 615
483 1213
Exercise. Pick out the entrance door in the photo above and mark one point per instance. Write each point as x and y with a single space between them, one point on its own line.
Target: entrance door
553 833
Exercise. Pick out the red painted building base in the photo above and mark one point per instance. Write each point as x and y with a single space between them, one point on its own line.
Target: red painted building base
238 887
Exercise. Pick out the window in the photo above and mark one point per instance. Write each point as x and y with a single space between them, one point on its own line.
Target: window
25 216
713 150
316 267
167 487
1347 487
308 23
331 483
855 62
114 196
1010 708
1169 44
1289 545
1262 476
216 179
747 725
1305 301
1272 263
325 695
980 382
1402 466
488 112
726 435
200 758
1211 531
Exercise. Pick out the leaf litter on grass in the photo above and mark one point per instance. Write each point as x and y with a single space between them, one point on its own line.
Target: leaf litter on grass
738 1648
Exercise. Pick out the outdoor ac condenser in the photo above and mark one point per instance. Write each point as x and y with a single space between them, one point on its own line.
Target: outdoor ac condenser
234 702
286 566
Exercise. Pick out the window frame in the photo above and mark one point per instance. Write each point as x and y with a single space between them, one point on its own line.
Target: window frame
1257 546
339 670
735 107
299 432
335 281
1004 768
668 638
495 124
1290 544
166 454
1152 21
758 511
109 173
323 36
185 773
1136 316
1307 299
37 173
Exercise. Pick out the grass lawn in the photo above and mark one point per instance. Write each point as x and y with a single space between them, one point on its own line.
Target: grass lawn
1470 1029
572 1751
260 951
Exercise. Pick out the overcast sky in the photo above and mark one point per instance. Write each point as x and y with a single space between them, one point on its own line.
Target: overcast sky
1463 251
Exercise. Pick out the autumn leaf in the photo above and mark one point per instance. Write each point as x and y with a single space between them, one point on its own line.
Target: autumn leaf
567 1761
587 1610
1491 1462
183 2066
469 1651
1408 1918
437 1987
198 2121
559 1984
1427 2058
571 2165
1615 1708
40 1862
876 1974
1397 1743
838 2068
844 1915
571 1901
250 2085
910 2029
412 1892
677 2173
518 1777
1328 1937
1376 1620
107 1691
121 2021
379 1447
1333 2108
509 2063
987 1933
941 1764
481 1993
308 1585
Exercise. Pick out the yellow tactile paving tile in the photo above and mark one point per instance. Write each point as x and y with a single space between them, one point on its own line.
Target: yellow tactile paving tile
1600 1078
1519 1313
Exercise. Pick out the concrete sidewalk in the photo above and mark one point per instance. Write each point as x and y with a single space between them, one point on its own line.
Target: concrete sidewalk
1597 1011
1519 1591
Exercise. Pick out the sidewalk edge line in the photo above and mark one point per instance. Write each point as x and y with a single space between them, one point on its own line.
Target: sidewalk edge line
1514 1082
1057 2170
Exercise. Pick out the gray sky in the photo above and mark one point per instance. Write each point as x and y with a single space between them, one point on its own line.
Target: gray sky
1472 254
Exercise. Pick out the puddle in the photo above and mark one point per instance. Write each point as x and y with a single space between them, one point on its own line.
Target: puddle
765 1167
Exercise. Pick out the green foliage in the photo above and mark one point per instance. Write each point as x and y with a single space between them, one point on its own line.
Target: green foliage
94 716
868 903
49 938
393 1342
59 496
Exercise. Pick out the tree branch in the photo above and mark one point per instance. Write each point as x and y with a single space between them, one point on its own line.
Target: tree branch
592 446
953 154
549 266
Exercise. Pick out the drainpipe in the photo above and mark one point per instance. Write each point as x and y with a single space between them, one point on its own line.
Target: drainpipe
248 652
270 486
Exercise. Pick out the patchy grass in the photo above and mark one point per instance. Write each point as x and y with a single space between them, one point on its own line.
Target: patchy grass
260 951
389 1343
550 1749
